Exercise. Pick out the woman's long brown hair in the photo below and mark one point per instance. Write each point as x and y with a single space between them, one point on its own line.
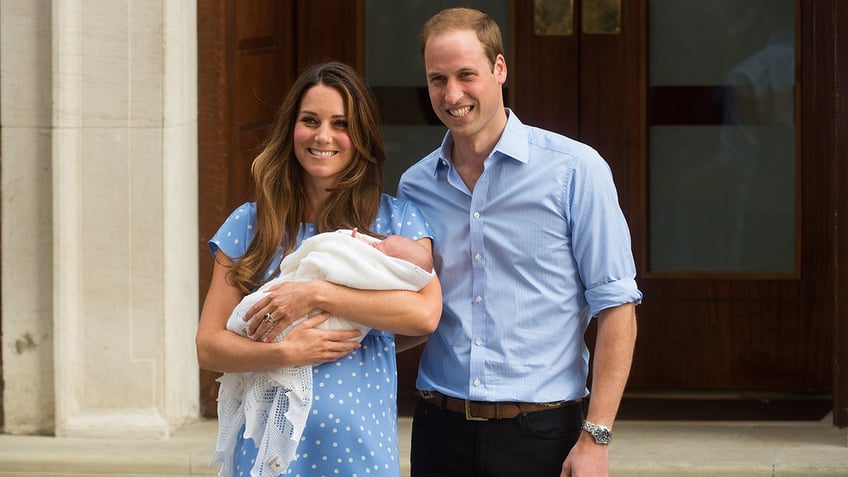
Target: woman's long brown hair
279 178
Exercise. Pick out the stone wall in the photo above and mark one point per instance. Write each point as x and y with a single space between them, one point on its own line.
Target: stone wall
99 216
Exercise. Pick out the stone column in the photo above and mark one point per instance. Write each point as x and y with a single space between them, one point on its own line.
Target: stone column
27 299
124 159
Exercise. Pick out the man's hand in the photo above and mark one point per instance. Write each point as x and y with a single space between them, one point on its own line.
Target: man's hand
587 459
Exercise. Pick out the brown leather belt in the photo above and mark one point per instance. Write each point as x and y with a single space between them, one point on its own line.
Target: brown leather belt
483 411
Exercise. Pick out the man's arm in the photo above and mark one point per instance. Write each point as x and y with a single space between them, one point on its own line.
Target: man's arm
613 356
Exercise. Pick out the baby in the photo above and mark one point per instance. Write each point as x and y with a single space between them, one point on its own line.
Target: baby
256 399
305 259
401 247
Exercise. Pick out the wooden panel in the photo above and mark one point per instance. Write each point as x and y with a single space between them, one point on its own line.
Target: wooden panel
263 70
602 113
729 335
331 30
635 33
542 73
823 106
839 181
249 54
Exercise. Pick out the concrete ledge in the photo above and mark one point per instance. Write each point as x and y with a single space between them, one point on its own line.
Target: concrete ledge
187 453
639 449
694 448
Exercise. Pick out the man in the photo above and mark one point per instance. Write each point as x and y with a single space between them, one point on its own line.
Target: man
530 243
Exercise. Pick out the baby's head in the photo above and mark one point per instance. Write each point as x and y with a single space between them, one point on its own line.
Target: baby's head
407 249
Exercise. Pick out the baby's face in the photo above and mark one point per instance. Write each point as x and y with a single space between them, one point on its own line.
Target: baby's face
392 245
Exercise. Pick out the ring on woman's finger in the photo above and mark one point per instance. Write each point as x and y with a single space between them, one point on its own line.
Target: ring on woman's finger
268 318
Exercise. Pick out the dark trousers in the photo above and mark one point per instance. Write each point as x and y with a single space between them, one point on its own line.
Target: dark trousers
445 444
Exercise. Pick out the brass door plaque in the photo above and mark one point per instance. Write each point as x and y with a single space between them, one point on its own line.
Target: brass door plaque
601 16
553 17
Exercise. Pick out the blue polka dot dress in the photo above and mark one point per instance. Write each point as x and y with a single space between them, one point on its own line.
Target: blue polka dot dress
352 426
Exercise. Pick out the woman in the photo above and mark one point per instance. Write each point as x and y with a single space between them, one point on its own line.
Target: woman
320 170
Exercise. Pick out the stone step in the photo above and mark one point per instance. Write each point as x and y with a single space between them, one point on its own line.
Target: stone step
639 449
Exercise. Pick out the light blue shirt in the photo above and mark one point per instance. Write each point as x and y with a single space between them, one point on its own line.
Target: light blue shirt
525 260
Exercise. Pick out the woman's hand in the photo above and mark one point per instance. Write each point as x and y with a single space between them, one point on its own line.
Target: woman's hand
307 345
282 305
224 351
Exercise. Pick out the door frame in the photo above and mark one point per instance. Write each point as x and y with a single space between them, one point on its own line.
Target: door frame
824 131
822 109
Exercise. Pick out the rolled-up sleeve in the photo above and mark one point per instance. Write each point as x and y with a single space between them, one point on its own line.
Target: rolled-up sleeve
601 237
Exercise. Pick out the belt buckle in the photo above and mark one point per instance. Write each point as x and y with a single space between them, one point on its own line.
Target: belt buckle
468 416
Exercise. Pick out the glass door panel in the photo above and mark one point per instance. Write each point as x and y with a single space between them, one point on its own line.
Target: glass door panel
722 185
395 73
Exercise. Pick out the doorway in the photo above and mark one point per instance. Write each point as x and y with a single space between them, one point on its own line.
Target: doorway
738 314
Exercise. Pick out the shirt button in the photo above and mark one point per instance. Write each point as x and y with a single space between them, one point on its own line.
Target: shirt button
476 382
477 341
479 299
478 257
476 215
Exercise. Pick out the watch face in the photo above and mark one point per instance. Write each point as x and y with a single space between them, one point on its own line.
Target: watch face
601 434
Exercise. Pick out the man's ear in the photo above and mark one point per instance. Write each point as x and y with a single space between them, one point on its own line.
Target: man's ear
500 69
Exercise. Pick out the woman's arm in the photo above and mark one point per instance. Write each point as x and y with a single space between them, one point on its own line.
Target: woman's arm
219 349
398 311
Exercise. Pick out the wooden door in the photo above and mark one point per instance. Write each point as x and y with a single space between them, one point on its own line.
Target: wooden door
249 54
740 331
699 330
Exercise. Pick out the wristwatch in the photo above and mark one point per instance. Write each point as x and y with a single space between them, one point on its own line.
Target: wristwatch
601 434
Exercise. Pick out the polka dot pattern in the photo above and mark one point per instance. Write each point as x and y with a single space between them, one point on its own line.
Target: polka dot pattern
352 426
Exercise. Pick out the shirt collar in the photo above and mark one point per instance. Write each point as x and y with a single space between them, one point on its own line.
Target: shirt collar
512 143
